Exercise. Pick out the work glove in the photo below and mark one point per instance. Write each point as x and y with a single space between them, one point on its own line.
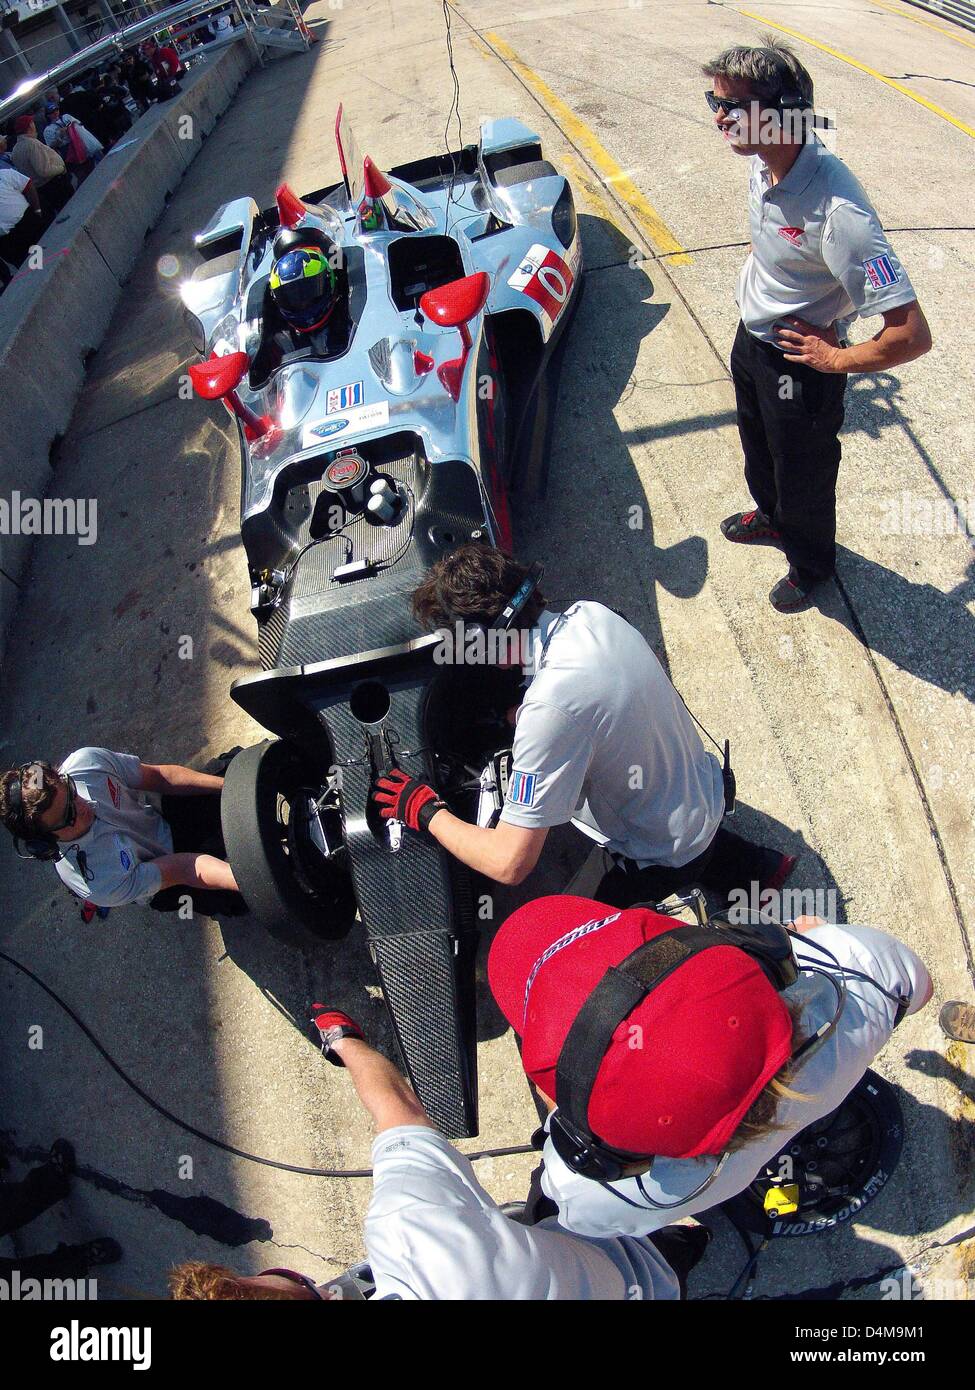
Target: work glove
402 798
332 1024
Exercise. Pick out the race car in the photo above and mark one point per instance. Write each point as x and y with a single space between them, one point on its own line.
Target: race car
374 440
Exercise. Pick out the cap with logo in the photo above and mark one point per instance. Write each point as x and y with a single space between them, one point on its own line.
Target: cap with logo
684 1066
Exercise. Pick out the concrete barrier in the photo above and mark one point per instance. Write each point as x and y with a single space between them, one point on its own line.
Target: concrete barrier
52 317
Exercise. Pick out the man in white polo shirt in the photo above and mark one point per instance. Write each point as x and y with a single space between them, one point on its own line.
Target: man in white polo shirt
433 1233
602 739
111 847
819 259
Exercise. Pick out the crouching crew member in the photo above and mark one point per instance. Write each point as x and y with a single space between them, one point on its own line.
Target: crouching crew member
601 738
108 844
680 1065
432 1232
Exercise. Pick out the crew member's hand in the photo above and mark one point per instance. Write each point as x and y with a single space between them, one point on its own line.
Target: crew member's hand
402 798
332 1025
804 342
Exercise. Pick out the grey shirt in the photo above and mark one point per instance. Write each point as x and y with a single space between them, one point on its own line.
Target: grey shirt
604 740
110 864
818 249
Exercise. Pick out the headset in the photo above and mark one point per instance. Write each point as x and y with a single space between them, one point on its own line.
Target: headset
38 843
624 987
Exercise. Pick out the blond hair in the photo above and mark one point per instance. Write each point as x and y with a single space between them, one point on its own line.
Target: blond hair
761 1117
197 1281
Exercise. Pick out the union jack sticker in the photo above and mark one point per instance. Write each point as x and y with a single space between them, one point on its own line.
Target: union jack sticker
521 788
880 272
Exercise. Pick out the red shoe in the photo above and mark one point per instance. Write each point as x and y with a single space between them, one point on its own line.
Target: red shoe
781 874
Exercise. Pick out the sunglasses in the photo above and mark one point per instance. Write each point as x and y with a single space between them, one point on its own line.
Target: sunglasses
726 104
70 809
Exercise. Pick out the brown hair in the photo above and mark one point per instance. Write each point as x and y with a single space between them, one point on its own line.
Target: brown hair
36 795
197 1281
771 70
473 582
760 1119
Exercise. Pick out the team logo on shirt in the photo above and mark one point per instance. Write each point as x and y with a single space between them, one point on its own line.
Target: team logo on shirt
880 272
125 858
521 787
114 792
793 234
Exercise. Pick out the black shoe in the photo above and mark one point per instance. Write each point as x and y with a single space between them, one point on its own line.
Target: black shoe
791 593
752 528
61 1157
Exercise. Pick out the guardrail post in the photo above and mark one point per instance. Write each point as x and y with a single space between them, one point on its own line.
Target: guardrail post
68 29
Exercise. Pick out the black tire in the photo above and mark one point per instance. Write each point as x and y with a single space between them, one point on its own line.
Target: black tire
858 1146
287 901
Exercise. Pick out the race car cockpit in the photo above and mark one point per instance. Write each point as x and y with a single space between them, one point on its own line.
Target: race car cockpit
287 323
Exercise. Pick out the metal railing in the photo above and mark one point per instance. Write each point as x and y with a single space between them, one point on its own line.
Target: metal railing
961 11
246 18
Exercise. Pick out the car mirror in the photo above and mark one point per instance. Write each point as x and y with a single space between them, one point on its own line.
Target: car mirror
458 302
219 376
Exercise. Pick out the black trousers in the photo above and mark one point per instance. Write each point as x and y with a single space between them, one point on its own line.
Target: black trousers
789 419
195 823
729 863
21 1201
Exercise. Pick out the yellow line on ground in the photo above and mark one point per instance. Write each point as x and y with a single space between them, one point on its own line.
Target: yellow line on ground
586 142
916 19
863 67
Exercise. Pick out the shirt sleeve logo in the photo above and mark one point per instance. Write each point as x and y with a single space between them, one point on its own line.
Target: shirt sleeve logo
114 792
880 272
521 787
792 234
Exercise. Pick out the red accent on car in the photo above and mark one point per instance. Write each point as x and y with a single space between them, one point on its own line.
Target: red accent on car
374 181
422 362
219 376
457 302
290 207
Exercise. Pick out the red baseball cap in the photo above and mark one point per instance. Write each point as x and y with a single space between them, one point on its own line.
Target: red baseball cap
684 1066
23 123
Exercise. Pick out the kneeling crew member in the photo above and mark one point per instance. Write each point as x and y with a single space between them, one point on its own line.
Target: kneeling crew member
656 1038
432 1232
108 844
598 716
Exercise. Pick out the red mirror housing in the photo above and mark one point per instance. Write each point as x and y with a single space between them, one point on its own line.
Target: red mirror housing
291 209
458 302
219 376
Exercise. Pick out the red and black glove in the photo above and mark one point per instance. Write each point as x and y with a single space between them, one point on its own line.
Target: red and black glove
402 798
331 1025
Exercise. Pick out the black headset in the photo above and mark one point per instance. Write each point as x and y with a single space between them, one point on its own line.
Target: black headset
624 987
37 843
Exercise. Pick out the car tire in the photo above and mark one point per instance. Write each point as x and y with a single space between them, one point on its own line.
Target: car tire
256 791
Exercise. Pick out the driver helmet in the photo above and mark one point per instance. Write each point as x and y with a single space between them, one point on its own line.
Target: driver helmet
303 282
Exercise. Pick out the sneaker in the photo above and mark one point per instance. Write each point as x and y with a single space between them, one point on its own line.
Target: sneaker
61 1157
750 528
780 875
791 593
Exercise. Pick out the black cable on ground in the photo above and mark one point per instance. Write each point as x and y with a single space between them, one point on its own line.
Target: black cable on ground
199 1133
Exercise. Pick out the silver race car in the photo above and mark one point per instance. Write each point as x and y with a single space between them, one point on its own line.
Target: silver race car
373 442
